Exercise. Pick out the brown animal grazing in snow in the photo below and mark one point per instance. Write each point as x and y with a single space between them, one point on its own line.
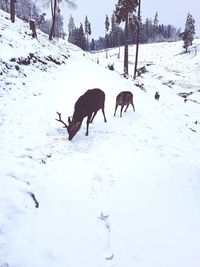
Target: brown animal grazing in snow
157 96
86 106
124 99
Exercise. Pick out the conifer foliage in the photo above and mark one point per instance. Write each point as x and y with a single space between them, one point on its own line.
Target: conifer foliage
77 34
188 34
87 31
107 25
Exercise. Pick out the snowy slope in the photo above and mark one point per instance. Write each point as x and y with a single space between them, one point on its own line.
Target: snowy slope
126 195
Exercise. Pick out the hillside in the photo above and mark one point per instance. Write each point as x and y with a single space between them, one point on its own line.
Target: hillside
126 195
166 64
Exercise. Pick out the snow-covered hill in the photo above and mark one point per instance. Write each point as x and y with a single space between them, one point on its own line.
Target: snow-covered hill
126 195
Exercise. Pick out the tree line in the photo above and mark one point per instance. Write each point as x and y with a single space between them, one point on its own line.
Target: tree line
29 10
150 31
135 31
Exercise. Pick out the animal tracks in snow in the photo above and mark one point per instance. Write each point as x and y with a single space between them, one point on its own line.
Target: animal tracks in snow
96 186
101 187
101 181
105 231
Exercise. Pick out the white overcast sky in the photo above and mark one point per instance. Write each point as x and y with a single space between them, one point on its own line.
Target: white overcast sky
169 12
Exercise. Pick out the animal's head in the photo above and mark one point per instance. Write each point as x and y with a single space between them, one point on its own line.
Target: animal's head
72 128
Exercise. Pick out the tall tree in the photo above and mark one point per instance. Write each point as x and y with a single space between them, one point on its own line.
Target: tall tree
122 12
189 32
12 10
155 26
87 31
81 40
138 35
114 32
133 22
71 29
59 26
55 11
107 25
93 44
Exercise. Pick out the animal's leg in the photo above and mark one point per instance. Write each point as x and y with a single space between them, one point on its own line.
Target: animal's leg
126 108
88 121
133 106
94 114
115 109
104 115
121 110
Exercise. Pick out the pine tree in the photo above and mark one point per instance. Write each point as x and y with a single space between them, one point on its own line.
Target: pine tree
93 44
122 12
188 35
107 25
114 33
87 31
80 39
71 29
138 37
59 26
133 22
155 26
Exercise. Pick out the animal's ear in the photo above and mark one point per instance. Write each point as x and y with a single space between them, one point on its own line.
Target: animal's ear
69 120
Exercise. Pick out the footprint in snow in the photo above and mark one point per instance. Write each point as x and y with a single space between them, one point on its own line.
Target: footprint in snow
105 218
96 187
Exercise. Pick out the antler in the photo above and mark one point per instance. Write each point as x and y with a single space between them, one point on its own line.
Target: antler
60 120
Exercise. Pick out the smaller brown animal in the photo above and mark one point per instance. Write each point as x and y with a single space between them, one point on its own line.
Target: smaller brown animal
124 99
157 96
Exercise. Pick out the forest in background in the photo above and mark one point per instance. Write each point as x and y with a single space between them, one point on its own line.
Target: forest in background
150 30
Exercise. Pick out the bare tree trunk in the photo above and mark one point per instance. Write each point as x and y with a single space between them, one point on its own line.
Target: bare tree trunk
12 10
52 9
126 49
137 42
52 32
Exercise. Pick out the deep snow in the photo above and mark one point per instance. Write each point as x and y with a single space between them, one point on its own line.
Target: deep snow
126 195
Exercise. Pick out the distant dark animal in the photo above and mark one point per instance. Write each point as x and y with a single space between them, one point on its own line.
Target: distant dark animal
111 66
124 99
157 96
86 106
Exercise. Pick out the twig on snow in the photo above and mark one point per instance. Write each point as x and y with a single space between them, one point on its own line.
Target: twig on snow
34 199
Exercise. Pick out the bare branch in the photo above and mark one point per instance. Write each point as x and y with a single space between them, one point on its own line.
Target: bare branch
34 199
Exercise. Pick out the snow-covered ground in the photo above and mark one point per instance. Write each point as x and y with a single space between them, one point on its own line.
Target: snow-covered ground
126 195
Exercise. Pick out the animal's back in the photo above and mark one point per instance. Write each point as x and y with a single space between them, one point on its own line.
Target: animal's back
124 98
91 101
96 98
